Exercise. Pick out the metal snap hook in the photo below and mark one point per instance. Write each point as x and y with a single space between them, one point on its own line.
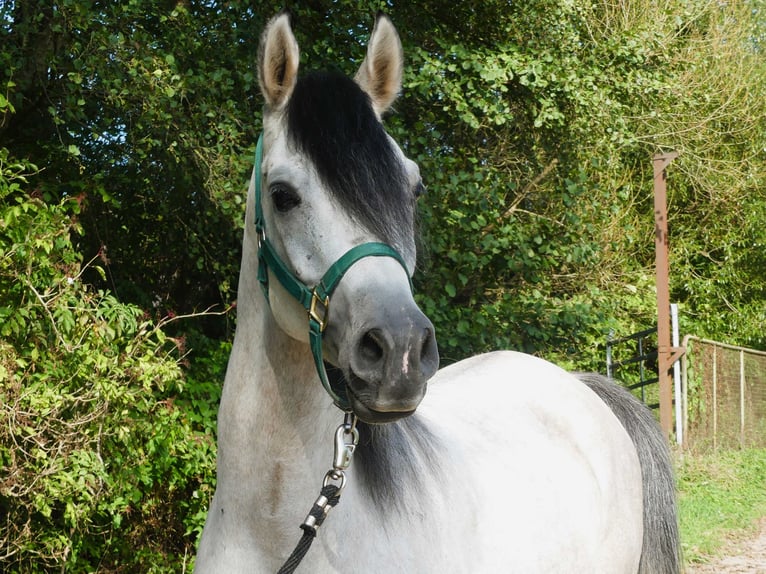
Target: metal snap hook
346 440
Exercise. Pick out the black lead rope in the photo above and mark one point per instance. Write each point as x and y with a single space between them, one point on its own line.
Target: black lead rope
328 498
346 439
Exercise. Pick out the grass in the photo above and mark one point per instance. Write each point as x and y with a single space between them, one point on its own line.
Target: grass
721 496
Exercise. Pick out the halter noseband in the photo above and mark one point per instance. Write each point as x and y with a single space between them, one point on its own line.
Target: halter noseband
316 300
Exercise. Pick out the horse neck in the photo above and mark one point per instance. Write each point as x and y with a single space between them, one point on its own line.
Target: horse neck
273 406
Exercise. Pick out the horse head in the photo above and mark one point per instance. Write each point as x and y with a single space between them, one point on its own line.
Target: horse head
332 180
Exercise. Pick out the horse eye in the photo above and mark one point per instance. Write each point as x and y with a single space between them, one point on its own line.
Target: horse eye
284 198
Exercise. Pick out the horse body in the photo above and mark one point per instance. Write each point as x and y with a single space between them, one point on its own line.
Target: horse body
527 472
510 464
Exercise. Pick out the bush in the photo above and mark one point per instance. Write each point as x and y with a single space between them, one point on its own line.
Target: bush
105 446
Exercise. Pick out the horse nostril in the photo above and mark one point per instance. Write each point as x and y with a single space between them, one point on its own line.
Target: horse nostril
371 346
425 343
429 353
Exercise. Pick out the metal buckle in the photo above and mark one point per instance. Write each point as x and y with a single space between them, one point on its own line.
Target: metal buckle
319 306
260 231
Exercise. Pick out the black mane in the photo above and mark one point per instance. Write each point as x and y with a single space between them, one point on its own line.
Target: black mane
396 461
331 120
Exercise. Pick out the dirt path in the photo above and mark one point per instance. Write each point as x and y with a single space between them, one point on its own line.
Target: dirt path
741 557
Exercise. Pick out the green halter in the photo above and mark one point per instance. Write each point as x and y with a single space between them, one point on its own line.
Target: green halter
315 300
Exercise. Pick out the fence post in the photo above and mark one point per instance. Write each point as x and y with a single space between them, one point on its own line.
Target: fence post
715 397
741 398
666 355
685 380
677 375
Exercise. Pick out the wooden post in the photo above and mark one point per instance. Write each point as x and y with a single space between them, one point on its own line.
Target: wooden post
666 354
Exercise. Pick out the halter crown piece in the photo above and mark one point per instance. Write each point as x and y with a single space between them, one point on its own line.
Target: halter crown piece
315 300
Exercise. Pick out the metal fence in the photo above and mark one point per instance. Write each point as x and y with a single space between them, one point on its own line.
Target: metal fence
724 395
633 361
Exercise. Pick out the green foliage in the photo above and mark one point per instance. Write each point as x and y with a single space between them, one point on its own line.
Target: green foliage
497 291
151 126
106 449
536 132
525 230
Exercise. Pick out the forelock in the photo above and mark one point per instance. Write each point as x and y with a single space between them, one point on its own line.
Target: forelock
331 121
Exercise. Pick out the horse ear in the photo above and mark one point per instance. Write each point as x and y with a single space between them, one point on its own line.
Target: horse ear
380 74
278 58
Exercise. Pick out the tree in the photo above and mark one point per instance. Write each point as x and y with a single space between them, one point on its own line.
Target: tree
534 125
147 115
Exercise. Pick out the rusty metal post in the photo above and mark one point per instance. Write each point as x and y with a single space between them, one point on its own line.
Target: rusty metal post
666 354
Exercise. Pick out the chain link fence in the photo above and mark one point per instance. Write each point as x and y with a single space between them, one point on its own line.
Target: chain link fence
724 396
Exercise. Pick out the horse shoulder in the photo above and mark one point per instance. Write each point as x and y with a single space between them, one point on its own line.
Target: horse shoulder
528 440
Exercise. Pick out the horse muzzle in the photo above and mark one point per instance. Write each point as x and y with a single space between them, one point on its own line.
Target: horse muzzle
389 364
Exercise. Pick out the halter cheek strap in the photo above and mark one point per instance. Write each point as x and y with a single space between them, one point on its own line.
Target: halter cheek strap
316 300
